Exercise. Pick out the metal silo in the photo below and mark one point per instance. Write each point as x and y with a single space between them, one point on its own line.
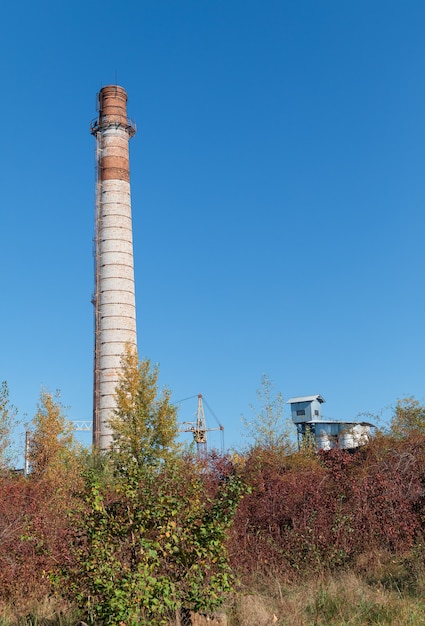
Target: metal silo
114 293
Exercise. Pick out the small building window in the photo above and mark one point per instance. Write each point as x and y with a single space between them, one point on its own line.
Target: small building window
301 412
316 412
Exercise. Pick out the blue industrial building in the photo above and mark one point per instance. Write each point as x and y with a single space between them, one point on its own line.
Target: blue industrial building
307 416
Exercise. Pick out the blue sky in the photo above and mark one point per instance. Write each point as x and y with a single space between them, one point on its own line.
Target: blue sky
278 197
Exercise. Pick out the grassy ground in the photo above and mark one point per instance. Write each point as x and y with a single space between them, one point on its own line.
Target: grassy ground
346 600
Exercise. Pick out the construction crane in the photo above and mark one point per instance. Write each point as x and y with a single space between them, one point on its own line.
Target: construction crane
199 427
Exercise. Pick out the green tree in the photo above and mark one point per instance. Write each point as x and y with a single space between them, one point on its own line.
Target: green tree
268 427
151 540
52 447
7 420
409 417
144 423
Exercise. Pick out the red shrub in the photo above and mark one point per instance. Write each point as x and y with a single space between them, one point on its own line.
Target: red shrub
33 532
319 513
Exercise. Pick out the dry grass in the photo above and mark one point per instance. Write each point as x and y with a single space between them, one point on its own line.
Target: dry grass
50 611
343 601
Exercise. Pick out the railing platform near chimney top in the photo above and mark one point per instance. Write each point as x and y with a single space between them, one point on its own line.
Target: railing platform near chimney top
105 122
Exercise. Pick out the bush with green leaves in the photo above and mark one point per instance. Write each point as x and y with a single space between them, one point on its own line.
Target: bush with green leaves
148 546
149 536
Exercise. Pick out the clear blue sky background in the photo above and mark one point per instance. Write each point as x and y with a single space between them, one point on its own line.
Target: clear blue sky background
278 197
